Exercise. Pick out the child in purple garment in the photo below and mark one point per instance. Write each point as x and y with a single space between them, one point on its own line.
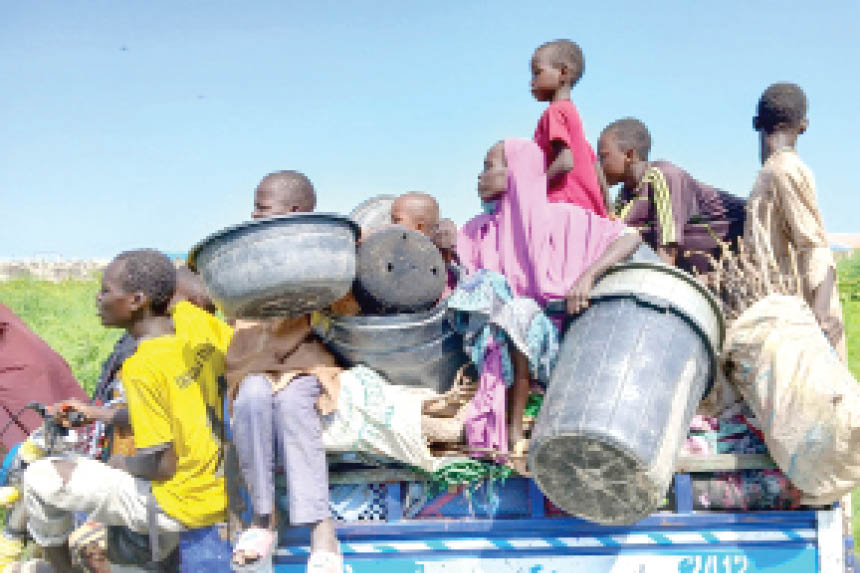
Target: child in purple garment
678 215
569 160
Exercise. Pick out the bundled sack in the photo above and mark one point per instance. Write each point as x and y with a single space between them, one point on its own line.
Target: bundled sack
805 398
379 418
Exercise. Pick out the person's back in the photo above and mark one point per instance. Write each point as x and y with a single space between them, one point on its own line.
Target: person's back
166 381
30 371
784 225
569 158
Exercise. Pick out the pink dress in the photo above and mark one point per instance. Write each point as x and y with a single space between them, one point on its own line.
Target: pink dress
579 186
541 250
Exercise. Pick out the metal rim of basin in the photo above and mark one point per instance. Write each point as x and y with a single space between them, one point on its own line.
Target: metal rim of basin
297 218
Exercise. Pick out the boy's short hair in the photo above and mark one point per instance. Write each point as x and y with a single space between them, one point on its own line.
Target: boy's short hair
150 272
631 133
569 53
295 185
781 103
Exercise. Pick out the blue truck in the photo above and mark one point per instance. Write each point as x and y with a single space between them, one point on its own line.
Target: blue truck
391 521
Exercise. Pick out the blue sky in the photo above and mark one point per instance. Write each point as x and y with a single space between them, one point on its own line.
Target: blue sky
130 124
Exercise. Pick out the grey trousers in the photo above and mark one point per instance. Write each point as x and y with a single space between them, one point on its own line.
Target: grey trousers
289 420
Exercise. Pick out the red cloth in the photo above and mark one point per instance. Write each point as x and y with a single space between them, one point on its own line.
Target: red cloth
579 186
30 371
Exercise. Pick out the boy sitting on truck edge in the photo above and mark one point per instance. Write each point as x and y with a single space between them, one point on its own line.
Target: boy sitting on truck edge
569 160
659 196
279 377
783 222
173 481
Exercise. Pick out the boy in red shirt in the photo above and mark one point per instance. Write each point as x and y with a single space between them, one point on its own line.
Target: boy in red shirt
570 161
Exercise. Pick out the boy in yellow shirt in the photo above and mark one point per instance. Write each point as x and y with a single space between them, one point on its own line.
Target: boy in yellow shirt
174 480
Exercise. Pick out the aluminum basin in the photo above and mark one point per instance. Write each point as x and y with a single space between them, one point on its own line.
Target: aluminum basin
280 266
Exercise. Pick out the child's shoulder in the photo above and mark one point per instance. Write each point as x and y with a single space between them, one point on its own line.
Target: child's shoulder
159 354
562 107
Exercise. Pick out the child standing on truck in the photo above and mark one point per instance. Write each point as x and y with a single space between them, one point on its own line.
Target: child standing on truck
172 483
783 221
569 159
661 198
280 378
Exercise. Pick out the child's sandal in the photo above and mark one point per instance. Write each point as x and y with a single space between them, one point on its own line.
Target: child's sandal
325 562
253 550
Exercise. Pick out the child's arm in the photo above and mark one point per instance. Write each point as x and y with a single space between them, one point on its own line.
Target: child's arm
562 162
116 414
153 464
831 325
604 188
618 250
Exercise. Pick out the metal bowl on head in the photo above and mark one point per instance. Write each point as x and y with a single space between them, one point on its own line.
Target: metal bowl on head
280 266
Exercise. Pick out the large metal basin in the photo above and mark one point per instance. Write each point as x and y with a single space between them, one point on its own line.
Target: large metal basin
418 349
280 266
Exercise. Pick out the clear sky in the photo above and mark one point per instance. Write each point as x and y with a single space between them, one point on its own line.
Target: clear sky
149 123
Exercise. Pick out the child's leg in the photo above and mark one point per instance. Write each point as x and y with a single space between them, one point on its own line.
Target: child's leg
518 395
55 489
300 431
253 438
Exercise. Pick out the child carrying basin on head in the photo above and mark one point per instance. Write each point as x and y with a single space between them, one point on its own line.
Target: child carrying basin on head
569 160
522 254
280 377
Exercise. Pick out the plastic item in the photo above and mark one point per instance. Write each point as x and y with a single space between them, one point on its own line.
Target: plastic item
418 349
398 270
277 267
632 368
373 213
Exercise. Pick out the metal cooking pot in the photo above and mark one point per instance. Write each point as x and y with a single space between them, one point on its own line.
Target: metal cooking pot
280 266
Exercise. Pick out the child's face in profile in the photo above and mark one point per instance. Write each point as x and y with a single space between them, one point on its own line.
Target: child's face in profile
115 306
613 161
270 203
546 78
493 180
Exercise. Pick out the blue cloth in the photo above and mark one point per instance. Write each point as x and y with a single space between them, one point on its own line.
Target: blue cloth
483 308
203 551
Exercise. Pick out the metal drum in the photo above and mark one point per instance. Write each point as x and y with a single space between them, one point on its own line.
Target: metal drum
280 266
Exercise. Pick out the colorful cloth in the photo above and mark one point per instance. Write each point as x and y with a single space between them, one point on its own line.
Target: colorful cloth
784 226
541 249
165 387
30 371
484 310
736 431
579 186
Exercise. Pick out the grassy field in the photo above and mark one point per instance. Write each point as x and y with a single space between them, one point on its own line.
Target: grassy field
64 314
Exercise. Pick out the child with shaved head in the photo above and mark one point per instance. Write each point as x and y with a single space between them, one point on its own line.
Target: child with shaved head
279 378
282 193
416 211
569 160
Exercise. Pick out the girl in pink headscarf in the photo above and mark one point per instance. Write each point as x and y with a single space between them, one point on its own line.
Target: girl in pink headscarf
544 252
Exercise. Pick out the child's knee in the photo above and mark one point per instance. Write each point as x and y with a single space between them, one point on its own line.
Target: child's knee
46 476
255 393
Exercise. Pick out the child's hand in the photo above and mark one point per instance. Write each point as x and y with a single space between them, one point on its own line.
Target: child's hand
62 410
577 297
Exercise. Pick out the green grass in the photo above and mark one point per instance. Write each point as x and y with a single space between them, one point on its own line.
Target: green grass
64 315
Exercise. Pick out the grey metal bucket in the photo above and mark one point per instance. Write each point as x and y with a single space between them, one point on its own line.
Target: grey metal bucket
419 349
631 372
280 266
